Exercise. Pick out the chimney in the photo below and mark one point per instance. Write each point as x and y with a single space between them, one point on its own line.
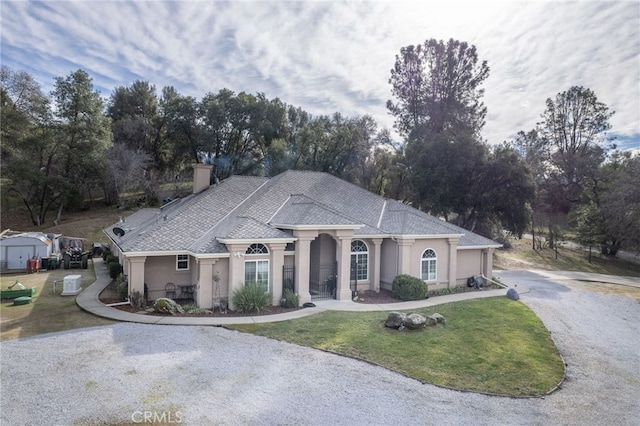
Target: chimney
201 177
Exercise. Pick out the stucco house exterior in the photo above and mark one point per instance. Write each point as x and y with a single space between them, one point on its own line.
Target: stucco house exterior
313 231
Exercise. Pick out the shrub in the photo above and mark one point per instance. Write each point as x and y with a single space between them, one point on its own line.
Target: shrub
105 254
406 287
110 258
137 300
193 309
115 269
122 286
289 299
251 299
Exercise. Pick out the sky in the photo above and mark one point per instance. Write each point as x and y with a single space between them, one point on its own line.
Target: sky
336 56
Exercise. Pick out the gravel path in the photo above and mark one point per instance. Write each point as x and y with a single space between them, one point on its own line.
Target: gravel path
206 375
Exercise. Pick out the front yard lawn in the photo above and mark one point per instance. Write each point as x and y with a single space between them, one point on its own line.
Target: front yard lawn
493 345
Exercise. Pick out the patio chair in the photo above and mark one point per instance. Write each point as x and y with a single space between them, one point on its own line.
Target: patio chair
170 291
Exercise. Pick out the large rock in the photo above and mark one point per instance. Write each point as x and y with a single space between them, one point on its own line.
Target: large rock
415 321
395 320
512 294
167 306
438 318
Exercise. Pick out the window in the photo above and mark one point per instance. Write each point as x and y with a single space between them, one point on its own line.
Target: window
359 260
182 262
428 266
257 271
257 249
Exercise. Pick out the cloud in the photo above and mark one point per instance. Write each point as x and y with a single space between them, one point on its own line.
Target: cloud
328 56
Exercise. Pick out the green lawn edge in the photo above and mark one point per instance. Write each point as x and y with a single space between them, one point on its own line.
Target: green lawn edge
494 346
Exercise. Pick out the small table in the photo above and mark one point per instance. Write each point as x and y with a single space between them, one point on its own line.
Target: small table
186 292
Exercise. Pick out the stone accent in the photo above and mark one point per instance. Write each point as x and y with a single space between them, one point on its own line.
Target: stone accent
512 294
167 306
415 321
438 318
400 321
395 320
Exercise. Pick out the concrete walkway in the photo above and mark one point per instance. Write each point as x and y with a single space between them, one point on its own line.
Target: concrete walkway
89 300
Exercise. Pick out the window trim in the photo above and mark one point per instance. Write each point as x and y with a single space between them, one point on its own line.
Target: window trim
256 261
357 254
429 260
182 258
257 248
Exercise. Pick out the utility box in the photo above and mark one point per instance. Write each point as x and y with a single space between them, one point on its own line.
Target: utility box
72 285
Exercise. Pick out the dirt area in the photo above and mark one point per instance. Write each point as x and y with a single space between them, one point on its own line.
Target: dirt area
87 224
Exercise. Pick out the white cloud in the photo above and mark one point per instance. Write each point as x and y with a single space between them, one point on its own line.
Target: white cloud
328 56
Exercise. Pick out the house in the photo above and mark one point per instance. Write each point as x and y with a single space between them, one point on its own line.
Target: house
312 231
17 248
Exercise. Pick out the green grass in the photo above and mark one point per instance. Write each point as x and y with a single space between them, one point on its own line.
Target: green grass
48 312
492 345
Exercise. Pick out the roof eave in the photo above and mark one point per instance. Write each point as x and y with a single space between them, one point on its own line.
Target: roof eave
484 246
256 240
175 253
425 236
315 227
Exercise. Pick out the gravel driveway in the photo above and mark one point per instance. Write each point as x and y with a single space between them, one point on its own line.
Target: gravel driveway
135 374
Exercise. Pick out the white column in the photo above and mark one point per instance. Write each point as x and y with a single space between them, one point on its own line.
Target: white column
375 279
404 258
302 259
136 274
453 260
487 267
277 262
204 287
344 237
236 269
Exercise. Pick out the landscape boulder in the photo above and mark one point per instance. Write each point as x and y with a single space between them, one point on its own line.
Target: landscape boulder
438 318
400 321
395 320
415 321
512 294
167 306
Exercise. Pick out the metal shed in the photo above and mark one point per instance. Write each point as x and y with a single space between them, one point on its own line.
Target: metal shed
16 248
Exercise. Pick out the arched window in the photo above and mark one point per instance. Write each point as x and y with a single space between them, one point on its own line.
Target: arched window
359 260
257 249
428 265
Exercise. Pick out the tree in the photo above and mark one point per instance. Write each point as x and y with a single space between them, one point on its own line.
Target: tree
438 86
28 156
589 226
574 130
618 201
24 107
441 114
82 135
134 116
508 189
127 169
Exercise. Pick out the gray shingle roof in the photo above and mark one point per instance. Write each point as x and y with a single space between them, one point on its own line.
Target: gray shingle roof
253 208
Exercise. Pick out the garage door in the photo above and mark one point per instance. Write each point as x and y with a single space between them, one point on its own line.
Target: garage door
17 256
